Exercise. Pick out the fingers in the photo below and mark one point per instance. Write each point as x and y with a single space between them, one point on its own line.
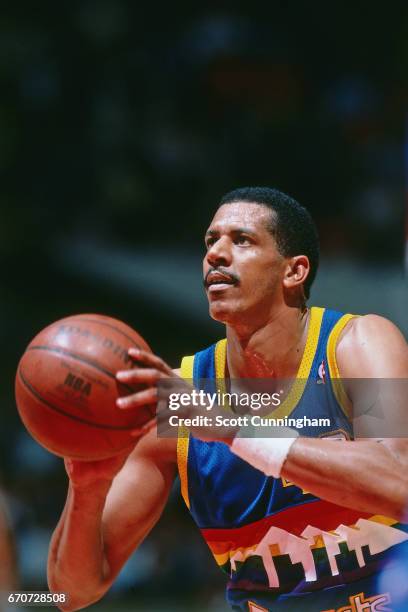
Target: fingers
142 398
148 376
150 360
154 369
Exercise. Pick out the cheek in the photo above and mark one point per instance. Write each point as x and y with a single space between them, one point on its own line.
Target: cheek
264 286
261 276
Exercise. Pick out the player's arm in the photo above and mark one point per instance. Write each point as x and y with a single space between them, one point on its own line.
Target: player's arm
368 474
106 517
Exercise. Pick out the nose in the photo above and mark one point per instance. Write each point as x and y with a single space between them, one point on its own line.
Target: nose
219 253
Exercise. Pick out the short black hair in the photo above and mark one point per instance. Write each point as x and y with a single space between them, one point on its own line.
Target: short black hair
292 225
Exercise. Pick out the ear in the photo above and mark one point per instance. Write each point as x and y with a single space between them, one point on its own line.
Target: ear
296 272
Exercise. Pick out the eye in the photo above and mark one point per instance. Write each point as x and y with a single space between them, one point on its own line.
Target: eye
242 240
209 241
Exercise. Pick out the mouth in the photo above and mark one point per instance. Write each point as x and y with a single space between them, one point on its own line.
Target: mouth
217 281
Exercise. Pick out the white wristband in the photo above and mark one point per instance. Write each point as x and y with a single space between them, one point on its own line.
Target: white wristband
265 454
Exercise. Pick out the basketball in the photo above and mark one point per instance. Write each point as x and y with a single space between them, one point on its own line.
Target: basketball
66 387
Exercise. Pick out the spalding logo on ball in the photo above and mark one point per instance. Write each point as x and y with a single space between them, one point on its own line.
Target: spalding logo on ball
66 388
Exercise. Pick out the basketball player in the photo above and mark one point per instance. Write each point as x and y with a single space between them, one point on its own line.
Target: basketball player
297 523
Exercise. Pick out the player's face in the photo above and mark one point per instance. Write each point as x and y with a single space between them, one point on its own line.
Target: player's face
242 267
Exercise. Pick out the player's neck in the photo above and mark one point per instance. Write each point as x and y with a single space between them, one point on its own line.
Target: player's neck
273 350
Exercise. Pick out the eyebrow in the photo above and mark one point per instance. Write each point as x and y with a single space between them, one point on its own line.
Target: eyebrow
236 230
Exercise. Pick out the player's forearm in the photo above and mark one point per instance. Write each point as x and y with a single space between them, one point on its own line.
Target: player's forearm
361 475
56 536
77 563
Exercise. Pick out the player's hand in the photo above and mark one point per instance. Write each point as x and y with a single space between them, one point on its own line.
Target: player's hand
153 369
150 370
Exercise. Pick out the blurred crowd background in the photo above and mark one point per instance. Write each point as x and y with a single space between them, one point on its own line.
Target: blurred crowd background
121 126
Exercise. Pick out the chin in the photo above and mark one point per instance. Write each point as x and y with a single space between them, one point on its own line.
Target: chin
219 312
223 312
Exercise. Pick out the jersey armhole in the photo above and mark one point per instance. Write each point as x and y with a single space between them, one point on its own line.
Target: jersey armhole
337 384
186 372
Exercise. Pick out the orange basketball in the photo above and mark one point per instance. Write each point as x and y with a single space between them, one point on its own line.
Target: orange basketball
66 387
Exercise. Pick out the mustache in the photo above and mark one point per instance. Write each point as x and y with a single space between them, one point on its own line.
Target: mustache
233 277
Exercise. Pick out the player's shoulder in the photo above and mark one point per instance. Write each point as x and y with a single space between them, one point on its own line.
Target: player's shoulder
370 339
369 328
